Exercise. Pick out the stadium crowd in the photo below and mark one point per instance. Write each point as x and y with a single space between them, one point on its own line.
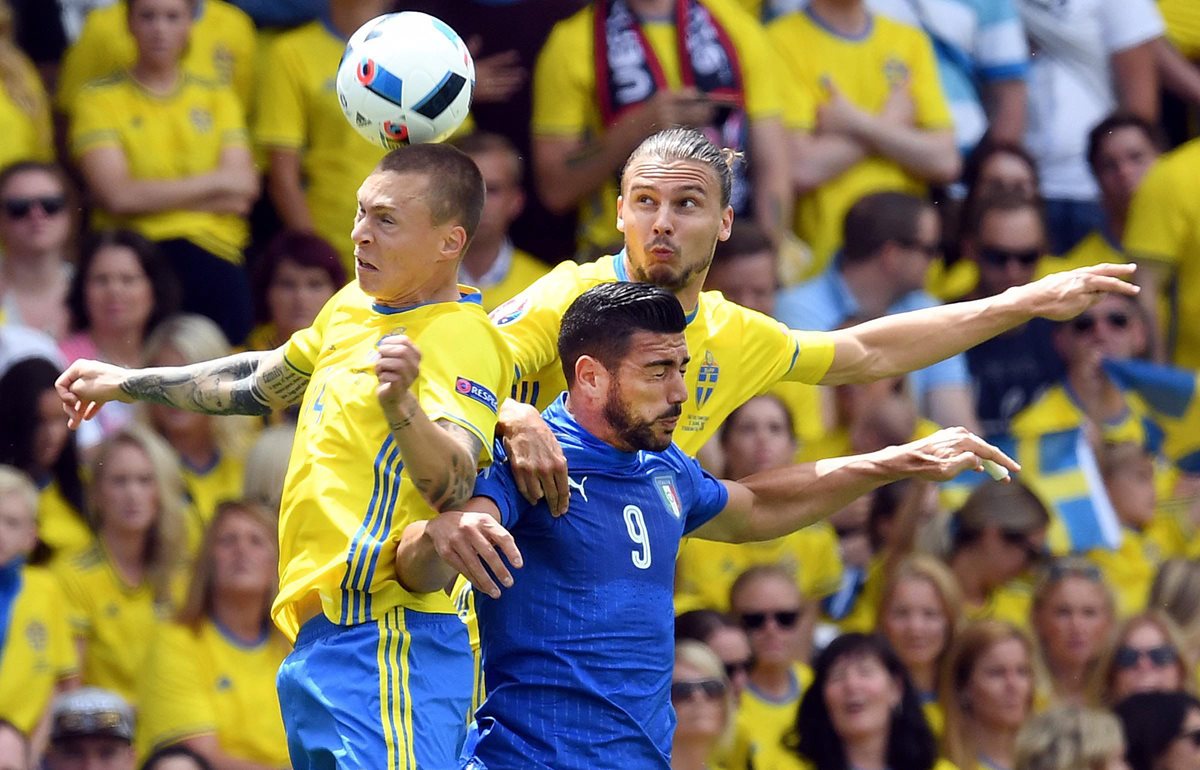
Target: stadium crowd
177 182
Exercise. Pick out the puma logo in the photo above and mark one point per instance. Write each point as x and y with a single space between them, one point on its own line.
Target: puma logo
573 484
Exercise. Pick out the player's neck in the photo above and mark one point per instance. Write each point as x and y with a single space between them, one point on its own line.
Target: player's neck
239 615
845 17
349 15
590 417
440 288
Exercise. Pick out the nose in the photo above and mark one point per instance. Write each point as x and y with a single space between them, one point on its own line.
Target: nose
677 389
360 233
663 224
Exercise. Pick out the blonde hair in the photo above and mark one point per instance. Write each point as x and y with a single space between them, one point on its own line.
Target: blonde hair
198 606
266 466
1069 738
19 76
17 484
196 338
1059 571
973 642
935 573
164 543
1106 670
701 657
1176 591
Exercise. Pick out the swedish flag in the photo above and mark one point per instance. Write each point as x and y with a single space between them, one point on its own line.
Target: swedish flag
1170 395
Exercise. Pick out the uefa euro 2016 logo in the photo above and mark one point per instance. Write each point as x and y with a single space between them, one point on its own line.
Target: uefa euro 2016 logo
706 379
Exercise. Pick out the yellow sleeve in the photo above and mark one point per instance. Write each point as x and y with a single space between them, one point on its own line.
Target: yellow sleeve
172 690
812 357
563 95
279 115
933 111
229 120
93 123
464 389
529 322
301 350
1158 225
93 55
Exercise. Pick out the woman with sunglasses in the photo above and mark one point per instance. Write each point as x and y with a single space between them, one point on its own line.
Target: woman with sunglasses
721 634
1073 621
704 707
1147 656
769 607
36 228
1162 730
861 713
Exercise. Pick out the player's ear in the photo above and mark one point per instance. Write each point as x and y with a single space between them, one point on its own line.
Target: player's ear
620 216
454 243
590 375
726 224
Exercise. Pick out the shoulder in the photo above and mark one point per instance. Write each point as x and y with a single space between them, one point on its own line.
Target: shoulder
39 581
108 84
575 26
294 42
176 636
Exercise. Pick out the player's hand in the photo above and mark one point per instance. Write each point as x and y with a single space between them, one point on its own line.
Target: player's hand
535 457
1062 296
945 454
397 367
86 386
473 543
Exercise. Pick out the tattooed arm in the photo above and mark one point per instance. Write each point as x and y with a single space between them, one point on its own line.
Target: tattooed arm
246 383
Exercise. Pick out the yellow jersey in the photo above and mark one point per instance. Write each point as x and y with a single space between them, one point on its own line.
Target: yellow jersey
736 353
793 762
206 487
347 496
166 137
1011 602
297 108
765 721
1182 18
25 119
1129 570
221 48
565 102
115 620
705 570
1164 227
206 682
36 647
62 528
519 269
865 70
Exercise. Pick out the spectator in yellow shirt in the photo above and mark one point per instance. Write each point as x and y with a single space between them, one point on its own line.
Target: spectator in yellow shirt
118 591
209 678
294 277
1072 615
1147 654
24 105
492 264
167 153
987 694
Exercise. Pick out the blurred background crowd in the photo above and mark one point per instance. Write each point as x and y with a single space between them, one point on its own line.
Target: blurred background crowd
177 182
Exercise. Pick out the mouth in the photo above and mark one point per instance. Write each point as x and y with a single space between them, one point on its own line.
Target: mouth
662 252
361 265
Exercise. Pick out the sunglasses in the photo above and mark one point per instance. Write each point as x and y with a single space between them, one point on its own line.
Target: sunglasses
685 691
1129 657
1086 322
1021 539
1193 736
733 668
753 621
997 257
19 208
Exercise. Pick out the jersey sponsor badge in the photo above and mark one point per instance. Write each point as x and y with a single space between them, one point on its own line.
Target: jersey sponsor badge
474 390
510 311
706 378
665 484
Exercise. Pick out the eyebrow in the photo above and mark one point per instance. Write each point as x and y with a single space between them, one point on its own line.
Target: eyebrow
668 362
688 188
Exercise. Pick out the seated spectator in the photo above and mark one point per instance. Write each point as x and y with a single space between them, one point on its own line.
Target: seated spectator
91 727
119 590
1004 238
920 610
766 602
861 711
1120 150
704 707
1162 234
721 634
266 466
315 159
15 753
986 694
176 758
1072 619
221 49
121 290
757 437
867 114
596 96
24 105
889 240
491 263
1162 730
1071 738
36 219
996 537
167 154
208 681
1147 655
293 279
39 656
211 449
1176 591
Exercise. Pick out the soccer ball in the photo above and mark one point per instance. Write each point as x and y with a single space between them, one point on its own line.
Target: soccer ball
405 78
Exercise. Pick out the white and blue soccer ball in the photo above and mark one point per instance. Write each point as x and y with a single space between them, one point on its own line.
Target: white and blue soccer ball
405 78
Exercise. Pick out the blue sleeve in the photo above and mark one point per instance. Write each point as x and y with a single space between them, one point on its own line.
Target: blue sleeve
497 484
703 495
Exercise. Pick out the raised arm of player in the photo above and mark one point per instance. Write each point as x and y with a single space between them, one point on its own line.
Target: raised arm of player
901 343
433 553
774 503
246 383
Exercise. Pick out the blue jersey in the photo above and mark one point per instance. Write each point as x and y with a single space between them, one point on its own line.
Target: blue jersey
578 653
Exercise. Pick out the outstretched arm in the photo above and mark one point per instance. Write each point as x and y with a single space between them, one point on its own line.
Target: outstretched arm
901 343
246 383
773 503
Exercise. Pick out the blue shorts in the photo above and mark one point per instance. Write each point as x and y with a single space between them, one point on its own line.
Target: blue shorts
394 694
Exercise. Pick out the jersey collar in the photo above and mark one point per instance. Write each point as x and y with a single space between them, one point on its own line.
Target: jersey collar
622 274
466 295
